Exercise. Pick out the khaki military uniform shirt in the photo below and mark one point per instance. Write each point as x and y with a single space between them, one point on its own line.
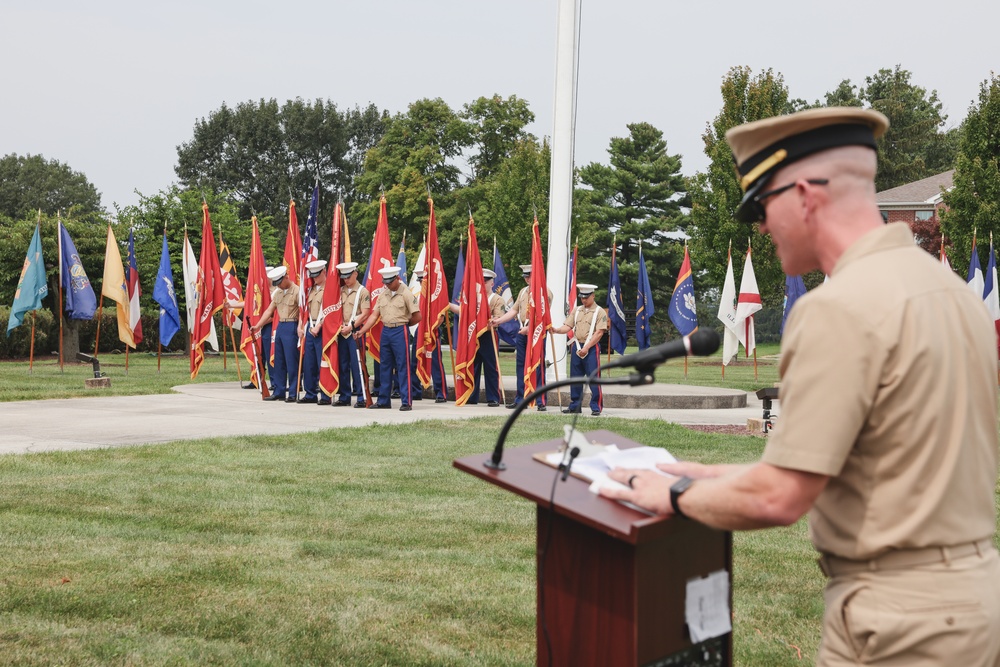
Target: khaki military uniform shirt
348 295
396 309
315 302
523 303
287 303
580 319
889 387
497 305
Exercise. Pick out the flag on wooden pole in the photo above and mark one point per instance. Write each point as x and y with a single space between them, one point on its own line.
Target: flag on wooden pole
683 311
473 320
134 291
644 308
163 294
332 315
747 304
381 258
433 303
258 299
539 312
115 287
31 286
211 296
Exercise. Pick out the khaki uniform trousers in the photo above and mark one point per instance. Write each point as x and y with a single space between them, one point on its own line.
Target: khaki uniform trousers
940 614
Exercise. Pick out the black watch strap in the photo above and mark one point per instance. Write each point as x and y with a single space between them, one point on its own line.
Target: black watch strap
679 487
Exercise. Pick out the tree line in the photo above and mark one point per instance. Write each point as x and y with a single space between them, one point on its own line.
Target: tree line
252 158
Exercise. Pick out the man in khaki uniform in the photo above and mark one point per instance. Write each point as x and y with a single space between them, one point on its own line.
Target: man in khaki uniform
356 305
284 305
520 311
888 430
311 334
588 322
397 307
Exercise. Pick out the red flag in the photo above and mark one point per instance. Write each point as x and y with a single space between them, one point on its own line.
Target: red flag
258 299
293 245
573 264
433 301
539 316
333 316
210 293
381 258
473 320
135 321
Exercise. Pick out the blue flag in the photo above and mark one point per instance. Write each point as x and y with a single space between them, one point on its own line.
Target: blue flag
31 288
163 294
79 300
616 310
683 312
643 306
508 330
456 287
794 288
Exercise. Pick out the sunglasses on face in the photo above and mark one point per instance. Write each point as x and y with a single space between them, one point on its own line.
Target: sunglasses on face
757 203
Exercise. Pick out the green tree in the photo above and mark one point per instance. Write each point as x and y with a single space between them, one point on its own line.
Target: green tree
636 198
30 182
716 193
260 154
974 201
912 148
496 127
418 153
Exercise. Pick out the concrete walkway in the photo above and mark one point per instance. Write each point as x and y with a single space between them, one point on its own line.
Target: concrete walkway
223 409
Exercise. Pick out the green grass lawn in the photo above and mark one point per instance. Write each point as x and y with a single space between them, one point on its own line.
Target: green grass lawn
347 547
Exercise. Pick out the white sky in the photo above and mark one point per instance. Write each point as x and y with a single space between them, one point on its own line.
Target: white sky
112 87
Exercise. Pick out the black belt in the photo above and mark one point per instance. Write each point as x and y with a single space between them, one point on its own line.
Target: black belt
293 319
393 326
835 566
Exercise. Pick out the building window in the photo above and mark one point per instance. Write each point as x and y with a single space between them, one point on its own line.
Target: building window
923 216
885 216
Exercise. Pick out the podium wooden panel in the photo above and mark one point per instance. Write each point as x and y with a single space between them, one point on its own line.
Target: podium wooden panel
612 589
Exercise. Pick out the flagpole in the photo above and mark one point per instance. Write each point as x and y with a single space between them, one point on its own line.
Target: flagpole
159 348
100 314
31 355
126 359
755 361
236 357
555 364
496 355
614 247
451 353
59 306
225 352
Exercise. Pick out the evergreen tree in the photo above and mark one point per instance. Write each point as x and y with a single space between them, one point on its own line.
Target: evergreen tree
974 201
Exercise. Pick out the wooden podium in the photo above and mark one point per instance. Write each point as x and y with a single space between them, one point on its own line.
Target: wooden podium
614 579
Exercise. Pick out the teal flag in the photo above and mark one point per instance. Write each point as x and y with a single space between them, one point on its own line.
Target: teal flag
31 288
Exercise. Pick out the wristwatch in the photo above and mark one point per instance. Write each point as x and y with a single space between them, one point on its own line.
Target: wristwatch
679 487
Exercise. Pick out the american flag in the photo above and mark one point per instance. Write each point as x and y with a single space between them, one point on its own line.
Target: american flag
310 253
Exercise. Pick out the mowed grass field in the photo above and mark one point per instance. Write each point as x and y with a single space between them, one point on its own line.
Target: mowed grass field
359 546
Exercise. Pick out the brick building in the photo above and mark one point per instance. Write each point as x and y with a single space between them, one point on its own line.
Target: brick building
917 202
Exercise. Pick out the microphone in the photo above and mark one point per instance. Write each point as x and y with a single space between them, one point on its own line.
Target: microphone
573 453
701 343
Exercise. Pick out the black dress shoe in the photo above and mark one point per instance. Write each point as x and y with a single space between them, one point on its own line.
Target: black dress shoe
418 397
274 397
360 404
493 404
405 408
292 399
595 413
440 400
394 394
308 400
541 408
568 411
248 386
342 403
376 406
511 406
322 402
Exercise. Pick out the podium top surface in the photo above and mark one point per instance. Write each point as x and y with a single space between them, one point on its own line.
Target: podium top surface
532 479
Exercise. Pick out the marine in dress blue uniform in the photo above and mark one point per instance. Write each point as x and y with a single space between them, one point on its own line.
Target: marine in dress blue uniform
588 322
285 307
520 311
311 332
356 305
397 308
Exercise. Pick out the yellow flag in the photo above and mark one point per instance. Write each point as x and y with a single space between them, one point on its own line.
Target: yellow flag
115 287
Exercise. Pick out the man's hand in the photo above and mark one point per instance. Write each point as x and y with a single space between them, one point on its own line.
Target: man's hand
582 353
649 490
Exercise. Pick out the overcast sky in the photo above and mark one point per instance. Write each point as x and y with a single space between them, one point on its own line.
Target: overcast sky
112 87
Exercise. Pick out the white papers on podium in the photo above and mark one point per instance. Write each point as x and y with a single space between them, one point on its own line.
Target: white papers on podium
706 606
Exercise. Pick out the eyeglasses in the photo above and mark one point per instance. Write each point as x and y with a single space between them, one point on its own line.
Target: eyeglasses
757 203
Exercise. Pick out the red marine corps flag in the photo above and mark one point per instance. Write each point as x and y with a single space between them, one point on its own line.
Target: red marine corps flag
433 302
211 295
381 258
332 315
472 321
539 315
258 298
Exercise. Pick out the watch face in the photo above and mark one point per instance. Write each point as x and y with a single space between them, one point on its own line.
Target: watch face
681 485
